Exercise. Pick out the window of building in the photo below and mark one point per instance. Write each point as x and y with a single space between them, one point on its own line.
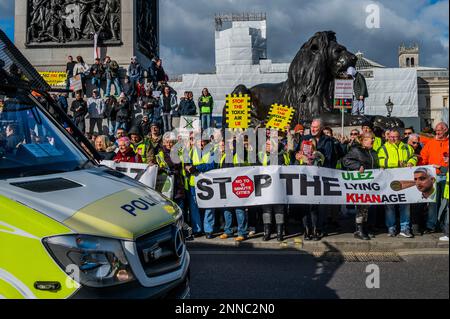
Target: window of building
428 102
445 101
412 62
407 61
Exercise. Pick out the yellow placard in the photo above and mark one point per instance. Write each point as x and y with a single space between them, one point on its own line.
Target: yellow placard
279 117
238 111
54 78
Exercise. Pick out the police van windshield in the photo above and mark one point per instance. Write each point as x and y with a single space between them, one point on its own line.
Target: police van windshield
30 143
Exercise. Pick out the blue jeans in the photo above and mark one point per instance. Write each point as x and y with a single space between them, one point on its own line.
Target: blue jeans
167 122
194 212
206 121
404 217
209 220
358 107
117 87
242 222
433 208
120 125
97 83
111 127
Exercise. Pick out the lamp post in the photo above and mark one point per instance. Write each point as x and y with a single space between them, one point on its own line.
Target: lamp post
389 107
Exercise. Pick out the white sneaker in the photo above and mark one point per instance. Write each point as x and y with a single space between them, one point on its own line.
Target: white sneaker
443 238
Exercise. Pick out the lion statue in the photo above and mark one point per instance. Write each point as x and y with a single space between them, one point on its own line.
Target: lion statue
310 86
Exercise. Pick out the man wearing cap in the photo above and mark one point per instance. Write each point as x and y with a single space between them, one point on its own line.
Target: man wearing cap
154 141
96 111
359 89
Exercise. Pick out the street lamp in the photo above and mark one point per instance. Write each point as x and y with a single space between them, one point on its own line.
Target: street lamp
389 107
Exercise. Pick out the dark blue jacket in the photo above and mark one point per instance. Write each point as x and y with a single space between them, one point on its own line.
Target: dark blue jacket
187 107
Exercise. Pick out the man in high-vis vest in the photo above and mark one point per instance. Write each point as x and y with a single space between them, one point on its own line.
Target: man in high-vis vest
137 143
443 211
205 104
395 154
199 164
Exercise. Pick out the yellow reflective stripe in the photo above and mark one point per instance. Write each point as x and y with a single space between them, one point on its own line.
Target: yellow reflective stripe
23 258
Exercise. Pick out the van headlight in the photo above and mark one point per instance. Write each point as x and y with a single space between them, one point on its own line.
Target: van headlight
98 262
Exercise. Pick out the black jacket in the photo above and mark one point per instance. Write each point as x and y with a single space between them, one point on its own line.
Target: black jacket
79 109
360 86
358 156
123 112
187 107
99 71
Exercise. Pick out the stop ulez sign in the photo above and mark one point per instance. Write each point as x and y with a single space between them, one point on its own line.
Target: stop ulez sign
243 186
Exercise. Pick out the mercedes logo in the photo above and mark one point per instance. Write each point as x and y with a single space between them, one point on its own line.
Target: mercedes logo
178 243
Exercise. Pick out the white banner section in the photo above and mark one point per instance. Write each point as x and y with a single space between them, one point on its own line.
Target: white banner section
259 185
144 173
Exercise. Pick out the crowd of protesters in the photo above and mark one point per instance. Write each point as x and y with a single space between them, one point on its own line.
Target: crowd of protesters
139 129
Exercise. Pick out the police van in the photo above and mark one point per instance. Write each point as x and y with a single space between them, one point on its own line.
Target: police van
70 228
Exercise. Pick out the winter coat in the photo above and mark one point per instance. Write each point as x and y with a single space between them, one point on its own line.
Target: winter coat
80 68
96 108
148 104
433 153
128 157
358 156
98 70
360 86
327 148
173 103
135 70
79 109
187 107
123 112
112 70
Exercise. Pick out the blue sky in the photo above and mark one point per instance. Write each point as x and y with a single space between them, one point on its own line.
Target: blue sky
187 28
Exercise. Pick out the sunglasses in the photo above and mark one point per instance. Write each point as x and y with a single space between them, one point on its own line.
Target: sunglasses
415 143
406 134
356 134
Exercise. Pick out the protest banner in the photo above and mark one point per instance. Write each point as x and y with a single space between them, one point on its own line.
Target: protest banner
237 111
75 83
54 79
267 185
144 173
343 89
279 117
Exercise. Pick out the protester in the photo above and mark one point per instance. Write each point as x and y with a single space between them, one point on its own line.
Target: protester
367 127
187 105
444 209
168 104
435 153
406 133
97 71
308 155
137 143
123 112
104 147
96 110
69 71
81 68
112 76
79 111
265 159
154 142
206 105
126 153
360 158
148 104
359 90
111 114
395 154
135 75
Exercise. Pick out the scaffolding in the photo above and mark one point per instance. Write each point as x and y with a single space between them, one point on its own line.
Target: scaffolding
230 17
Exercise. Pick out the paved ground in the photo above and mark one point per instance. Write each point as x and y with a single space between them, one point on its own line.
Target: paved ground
290 274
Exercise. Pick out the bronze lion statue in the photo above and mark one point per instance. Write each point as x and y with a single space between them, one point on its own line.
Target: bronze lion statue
310 86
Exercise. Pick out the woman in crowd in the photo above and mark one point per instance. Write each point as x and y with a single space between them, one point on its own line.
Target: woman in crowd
168 104
82 69
104 147
360 158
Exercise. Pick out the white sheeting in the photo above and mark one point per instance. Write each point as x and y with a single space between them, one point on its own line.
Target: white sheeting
400 85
